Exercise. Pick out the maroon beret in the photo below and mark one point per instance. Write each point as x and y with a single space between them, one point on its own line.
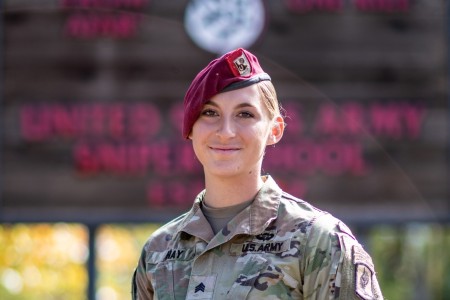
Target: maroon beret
233 70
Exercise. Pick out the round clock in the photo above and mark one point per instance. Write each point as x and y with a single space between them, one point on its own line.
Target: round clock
219 26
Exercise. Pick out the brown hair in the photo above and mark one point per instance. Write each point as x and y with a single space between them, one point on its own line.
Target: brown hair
269 98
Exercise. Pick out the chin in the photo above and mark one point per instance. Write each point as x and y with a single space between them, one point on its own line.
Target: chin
226 172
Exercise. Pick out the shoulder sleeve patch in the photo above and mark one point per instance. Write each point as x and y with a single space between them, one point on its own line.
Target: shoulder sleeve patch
360 256
366 285
363 282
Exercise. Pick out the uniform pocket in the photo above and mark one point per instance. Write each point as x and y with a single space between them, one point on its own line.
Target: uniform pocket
170 277
163 281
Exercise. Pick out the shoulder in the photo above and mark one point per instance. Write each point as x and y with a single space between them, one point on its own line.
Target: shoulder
297 208
332 252
323 230
315 220
320 221
315 228
161 237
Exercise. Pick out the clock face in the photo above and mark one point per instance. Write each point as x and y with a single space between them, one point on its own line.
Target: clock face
219 26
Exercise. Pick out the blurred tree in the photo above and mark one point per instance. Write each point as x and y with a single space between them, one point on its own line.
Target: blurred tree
118 249
43 261
412 260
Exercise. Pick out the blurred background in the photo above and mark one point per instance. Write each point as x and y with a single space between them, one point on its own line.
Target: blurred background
92 159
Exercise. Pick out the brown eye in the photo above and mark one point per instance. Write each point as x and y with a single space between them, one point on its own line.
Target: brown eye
209 113
245 114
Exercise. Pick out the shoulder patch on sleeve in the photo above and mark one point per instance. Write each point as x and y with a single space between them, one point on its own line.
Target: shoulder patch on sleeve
365 287
363 282
360 256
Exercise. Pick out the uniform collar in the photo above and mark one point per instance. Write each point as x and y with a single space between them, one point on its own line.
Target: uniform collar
252 221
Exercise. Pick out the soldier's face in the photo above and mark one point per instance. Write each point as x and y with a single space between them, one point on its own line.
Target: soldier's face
230 136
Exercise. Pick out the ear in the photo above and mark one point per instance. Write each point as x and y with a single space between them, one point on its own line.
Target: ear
277 130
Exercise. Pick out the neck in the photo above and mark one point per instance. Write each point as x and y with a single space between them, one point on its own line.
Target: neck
222 192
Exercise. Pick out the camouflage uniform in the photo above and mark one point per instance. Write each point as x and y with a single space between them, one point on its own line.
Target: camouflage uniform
279 247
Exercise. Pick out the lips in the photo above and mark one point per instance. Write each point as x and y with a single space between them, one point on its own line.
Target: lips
225 149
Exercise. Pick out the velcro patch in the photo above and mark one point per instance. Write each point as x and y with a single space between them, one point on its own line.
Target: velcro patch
360 256
201 287
171 254
364 282
363 273
256 247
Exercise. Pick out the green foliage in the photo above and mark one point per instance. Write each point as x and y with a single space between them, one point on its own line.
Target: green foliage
412 261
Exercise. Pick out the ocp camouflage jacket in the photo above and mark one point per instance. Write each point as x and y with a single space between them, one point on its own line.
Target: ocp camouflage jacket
279 247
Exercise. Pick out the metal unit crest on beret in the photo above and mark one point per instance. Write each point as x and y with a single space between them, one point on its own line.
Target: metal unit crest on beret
239 64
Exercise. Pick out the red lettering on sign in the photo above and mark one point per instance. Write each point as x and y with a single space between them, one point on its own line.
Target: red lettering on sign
185 160
413 117
347 120
335 158
303 155
85 162
162 158
328 121
353 118
386 120
123 159
118 121
394 120
113 157
34 123
65 122
145 122
298 157
306 157
93 120
94 25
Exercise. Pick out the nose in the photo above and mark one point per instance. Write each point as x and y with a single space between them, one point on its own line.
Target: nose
226 129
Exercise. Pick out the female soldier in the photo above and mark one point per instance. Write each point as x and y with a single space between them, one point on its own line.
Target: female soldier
245 238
